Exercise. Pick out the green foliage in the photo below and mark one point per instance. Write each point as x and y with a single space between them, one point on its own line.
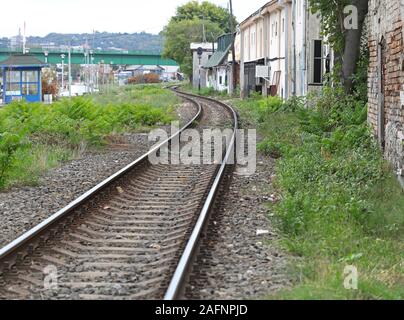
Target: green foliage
130 41
270 148
340 204
206 11
180 34
262 108
53 133
360 78
332 17
332 20
187 27
9 143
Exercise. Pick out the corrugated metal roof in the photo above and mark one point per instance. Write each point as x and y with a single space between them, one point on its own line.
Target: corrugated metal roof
22 60
217 58
224 46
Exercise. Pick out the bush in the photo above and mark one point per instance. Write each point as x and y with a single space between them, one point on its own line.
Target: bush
340 204
74 123
330 212
9 144
145 78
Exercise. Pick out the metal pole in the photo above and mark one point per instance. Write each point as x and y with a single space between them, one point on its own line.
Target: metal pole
70 71
233 83
199 84
63 71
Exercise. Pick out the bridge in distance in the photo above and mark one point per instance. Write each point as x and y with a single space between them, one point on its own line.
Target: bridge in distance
107 57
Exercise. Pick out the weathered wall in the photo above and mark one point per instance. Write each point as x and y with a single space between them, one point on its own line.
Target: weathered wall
386 77
204 58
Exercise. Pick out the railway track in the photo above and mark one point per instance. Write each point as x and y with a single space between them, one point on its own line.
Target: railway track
134 236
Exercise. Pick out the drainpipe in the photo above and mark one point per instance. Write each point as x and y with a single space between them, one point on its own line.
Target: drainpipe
4 85
285 6
294 46
242 71
304 54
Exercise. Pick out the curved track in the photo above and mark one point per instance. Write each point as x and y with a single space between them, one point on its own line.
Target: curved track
131 237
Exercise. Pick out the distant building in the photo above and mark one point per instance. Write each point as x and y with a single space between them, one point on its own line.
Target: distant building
16 42
282 50
145 69
219 65
22 78
199 74
166 73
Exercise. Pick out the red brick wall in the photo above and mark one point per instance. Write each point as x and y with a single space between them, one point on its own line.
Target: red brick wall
386 31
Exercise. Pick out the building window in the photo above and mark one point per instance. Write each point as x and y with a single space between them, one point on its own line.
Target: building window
30 76
276 29
318 62
14 76
220 80
283 25
13 87
30 89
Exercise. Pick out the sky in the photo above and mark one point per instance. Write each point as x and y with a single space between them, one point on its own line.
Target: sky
83 16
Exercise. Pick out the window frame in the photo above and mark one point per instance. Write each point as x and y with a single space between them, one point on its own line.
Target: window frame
23 85
318 62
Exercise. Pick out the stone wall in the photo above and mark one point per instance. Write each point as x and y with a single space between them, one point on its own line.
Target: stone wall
386 77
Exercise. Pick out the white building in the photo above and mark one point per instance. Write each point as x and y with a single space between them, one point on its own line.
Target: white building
284 41
219 65
199 74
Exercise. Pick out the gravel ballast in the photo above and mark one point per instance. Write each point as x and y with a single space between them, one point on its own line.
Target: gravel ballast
23 208
239 257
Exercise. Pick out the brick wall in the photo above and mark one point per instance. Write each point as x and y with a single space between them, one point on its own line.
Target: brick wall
386 77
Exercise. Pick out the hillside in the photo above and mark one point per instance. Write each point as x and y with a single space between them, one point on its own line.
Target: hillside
103 40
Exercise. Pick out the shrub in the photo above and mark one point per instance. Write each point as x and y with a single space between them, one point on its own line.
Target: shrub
145 78
9 144
72 123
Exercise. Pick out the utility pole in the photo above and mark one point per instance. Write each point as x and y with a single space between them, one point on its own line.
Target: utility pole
63 71
24 39
200 53
233 83
70 70
203 29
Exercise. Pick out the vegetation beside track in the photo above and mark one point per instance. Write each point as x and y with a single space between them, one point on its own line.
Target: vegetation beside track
340 204
37 137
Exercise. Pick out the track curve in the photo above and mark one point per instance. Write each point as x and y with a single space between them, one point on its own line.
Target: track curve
131 237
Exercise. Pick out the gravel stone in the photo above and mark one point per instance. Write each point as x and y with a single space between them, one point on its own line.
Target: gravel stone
23 208
235 262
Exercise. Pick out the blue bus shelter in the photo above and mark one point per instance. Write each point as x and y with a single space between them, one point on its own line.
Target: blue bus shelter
22 78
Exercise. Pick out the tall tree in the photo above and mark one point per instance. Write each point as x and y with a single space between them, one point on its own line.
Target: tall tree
179 35
192 22
205 11
346 42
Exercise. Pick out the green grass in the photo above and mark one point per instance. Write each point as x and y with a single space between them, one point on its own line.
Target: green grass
36 137
205 92
341 204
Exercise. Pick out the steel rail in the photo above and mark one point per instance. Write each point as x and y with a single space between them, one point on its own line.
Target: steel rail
177 282
24 239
